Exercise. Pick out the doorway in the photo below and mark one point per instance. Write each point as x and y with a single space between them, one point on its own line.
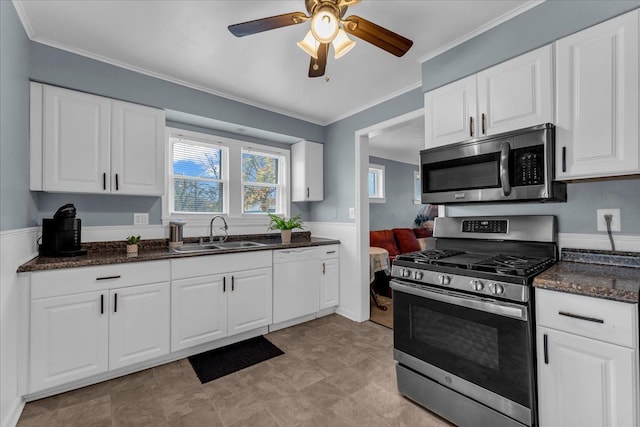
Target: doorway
363 138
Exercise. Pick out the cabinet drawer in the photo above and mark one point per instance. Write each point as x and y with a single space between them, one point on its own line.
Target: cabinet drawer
218 264
600 319
86 279
330 251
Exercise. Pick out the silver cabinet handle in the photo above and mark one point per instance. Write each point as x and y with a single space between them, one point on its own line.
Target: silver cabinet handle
504 168
471 127
579 317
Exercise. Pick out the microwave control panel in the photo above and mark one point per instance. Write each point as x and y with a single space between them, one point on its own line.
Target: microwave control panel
528 165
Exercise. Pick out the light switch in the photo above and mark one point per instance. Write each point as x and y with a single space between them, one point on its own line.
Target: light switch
140 219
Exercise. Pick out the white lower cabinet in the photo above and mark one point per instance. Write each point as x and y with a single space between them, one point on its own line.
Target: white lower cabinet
138 324
215 297
199 311
587 361
69 339
330 278
77 330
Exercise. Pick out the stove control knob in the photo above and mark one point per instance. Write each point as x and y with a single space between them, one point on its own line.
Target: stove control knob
444 279
405 272
496 288
417 275
476 285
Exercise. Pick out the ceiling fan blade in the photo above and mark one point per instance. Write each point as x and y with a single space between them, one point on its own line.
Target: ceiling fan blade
317 66
347 2
377 35
264 24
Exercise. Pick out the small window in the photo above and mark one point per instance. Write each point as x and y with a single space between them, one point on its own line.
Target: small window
376 184
262 182
197 177
417 190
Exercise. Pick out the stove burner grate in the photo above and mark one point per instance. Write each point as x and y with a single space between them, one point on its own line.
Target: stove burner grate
426 257
513 265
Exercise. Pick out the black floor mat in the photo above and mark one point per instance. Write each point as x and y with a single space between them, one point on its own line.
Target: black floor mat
227 360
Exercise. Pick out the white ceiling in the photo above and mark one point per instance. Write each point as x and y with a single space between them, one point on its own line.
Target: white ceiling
401 142
188 42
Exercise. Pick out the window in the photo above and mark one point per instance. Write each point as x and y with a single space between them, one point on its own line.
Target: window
376 184
262 182
213 175
417 190
198 177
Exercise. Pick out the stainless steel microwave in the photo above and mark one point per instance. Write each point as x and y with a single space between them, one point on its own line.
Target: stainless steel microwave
513 166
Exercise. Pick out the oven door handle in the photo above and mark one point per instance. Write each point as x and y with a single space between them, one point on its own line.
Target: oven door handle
504 168
469 301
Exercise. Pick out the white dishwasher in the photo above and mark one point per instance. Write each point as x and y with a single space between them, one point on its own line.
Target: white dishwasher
296 283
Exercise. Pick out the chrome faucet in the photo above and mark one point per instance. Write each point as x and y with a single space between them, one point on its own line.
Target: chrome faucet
225 228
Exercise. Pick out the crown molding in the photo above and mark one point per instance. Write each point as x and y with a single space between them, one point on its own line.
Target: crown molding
484 28
24 19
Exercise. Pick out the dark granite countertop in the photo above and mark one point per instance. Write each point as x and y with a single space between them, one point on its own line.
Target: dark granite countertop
105 253
601 274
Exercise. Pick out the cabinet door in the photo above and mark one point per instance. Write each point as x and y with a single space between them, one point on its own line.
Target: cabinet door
307 172
76 136
69 339
450 113
198 311
250 299
138 324
585 382
137 149
597 97
330 283
517 93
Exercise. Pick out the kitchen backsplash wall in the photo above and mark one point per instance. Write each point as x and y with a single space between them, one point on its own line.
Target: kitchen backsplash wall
578 214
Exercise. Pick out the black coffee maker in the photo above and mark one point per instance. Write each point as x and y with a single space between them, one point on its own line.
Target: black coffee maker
61 234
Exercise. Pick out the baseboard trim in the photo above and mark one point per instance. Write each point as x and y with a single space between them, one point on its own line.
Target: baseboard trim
13 415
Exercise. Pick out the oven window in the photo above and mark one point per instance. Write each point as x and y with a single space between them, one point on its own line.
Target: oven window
462 174
492 351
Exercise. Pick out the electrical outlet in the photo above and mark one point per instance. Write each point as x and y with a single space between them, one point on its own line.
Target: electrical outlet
352 213
615 220
140 219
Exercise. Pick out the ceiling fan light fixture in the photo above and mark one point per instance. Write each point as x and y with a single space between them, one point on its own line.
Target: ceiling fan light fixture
309 44
325 24
342 44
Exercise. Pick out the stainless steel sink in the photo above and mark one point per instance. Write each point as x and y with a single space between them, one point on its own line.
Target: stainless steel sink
210 247
234 245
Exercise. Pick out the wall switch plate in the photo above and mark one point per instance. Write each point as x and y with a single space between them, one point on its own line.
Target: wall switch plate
615 220
140 219
352 213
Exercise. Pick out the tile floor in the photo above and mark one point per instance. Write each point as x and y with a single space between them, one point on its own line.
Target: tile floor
334 372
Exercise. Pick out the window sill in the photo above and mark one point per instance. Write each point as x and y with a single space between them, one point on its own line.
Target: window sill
377 200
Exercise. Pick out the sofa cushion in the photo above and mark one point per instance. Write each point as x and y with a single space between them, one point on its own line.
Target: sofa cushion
422 232
384 239
406 240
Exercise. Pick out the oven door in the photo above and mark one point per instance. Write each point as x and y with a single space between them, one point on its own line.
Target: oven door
477 346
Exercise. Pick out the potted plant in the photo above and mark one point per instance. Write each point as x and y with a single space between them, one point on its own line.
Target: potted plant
285 226
132 244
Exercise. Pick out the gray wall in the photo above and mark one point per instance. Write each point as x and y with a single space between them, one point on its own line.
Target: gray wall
578 215
17 207
399 210
61 68
339 155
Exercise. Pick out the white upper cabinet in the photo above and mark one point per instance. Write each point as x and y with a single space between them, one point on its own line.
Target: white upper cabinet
516 94
597 100
137 154
512 95
84 143
75 141
306 172
450 113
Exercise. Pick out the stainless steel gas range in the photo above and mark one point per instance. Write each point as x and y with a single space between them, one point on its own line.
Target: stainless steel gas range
463 319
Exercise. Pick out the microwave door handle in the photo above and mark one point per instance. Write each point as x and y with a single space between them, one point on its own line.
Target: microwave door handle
504 168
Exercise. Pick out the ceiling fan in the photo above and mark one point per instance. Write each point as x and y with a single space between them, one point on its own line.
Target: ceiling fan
328 26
